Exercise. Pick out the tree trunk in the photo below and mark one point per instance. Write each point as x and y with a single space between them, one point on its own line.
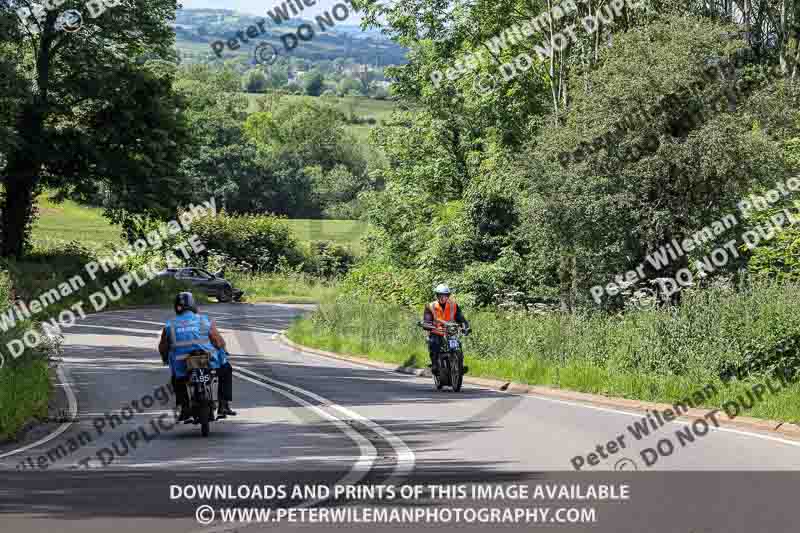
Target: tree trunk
552 71
25 163
794 42
568 283
17 210
21 180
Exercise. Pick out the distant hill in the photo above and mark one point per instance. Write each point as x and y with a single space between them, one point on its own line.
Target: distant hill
195 29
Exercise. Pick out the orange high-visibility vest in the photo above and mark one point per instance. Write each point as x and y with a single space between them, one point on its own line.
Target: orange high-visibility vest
448 314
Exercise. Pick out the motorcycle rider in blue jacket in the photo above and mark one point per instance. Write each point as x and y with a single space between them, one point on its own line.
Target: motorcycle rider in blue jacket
193 331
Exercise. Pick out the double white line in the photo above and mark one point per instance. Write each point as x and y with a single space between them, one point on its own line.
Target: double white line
339 416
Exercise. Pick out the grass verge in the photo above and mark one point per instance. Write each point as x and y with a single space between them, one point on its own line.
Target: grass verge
24 393
24 380
652 355
282 288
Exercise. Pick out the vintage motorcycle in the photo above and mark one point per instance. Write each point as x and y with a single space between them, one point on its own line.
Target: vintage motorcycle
451 357
203 389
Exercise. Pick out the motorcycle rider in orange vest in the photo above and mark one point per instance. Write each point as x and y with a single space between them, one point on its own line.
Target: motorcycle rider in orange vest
436 313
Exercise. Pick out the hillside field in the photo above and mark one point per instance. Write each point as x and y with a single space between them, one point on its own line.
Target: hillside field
70 221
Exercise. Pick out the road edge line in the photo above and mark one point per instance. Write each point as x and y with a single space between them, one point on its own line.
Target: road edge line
759 425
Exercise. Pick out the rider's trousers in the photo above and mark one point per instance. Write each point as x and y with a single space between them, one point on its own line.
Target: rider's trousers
434 347
225 377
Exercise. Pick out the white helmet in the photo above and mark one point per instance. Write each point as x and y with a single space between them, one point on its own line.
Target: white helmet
441 288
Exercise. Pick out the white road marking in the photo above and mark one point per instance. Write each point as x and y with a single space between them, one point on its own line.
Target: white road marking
639 415
535 396
106 360
360 469
405 457
368 451
152 332
73 411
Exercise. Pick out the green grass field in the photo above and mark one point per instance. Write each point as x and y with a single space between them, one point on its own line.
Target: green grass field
69 221
360 105
344 232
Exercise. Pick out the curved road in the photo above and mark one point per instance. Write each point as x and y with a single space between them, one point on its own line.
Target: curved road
316 417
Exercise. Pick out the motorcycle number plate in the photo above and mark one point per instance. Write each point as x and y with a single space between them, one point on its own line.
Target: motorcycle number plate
453 344
200 379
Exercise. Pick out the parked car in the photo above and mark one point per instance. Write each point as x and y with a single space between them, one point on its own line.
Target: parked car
212 284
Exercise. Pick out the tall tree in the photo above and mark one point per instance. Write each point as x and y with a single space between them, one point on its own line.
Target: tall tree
85 111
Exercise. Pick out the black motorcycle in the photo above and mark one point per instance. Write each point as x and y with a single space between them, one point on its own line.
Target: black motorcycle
203 390
451 357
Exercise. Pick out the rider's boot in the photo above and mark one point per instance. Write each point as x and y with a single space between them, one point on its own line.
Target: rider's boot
225 410
434 367
184 412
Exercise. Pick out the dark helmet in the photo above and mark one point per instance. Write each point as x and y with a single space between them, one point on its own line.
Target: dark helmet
186 301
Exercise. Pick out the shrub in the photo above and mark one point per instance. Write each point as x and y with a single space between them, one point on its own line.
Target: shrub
328 260
380 282
257 242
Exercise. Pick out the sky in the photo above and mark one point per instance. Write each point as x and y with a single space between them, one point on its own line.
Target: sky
260 7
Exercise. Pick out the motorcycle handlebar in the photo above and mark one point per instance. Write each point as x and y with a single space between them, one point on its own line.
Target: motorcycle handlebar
429 325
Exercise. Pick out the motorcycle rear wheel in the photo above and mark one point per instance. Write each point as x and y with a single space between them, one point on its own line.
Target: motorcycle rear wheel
205 418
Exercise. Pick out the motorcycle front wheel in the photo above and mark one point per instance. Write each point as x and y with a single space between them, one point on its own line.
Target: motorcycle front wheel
456 376
437 380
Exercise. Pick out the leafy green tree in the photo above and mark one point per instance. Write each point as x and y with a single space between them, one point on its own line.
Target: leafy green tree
309 133
314 83
255 81
224 163
309 141
278 76
85 112
456 183
666 174
348 86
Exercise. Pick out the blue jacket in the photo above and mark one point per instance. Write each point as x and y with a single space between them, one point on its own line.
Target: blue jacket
188 332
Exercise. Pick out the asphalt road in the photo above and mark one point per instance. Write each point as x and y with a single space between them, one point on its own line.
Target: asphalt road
304 418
